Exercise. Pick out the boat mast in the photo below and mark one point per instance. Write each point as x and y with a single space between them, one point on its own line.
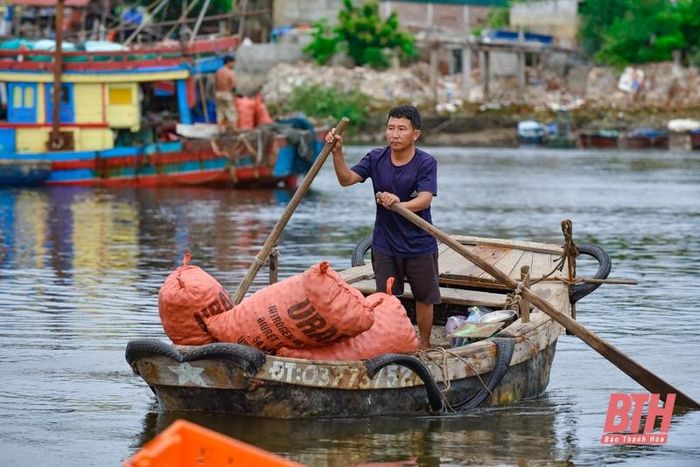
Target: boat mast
55 140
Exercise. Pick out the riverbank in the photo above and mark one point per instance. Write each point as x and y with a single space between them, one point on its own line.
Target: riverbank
595 98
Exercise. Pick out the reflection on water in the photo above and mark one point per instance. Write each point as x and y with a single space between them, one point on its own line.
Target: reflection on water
80 271
526 431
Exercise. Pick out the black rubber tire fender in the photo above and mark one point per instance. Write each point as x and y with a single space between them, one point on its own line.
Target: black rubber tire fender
505 346
361 249
142 348
412 363
247 358
578 291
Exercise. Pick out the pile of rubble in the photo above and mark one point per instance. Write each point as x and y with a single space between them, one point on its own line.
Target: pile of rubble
398 85
664 86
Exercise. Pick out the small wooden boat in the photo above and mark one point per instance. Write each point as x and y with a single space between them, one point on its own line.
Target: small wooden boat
19 172
647 138
603 139
499 369
694 139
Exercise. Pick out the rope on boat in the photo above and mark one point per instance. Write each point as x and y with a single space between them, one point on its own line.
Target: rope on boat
426 357
505 346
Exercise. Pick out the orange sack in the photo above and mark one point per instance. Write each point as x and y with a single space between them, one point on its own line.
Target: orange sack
392 332
262 116
311 309
245 106
187 297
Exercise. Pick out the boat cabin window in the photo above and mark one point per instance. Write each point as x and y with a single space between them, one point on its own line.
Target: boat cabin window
22 103
120 96
67 114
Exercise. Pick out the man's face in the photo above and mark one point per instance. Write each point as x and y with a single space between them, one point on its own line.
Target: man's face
400 133
230 64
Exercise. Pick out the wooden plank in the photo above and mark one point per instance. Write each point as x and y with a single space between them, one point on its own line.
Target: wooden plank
521 245
507 263
541 265
454 296
357 273
526 260
465 268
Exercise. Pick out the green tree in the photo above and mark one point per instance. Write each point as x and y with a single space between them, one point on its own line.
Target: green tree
649 31
596 16
363 34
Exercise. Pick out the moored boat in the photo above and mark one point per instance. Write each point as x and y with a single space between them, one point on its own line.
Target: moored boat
603 139
127 118
647 138
497 368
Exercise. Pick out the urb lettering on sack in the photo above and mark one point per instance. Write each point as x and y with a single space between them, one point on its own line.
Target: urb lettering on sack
312 323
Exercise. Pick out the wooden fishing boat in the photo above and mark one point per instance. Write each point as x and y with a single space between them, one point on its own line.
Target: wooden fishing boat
647 138
512 364
603 139
130 118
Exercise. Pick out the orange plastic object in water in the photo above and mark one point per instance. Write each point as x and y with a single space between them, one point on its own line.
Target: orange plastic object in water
185 444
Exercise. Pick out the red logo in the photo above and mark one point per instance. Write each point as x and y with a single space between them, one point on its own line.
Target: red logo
624 419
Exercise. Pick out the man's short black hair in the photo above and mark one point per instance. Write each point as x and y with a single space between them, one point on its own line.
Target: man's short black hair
408 112
229 59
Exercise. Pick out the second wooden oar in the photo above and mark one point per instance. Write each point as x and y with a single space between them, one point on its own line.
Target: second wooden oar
633 369
286 215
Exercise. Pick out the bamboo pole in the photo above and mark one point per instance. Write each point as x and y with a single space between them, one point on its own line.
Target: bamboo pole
637 372
55 140
286 215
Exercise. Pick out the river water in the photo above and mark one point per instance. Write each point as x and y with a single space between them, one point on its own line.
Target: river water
80 271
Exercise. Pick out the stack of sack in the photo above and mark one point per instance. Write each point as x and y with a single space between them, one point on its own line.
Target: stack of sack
313 315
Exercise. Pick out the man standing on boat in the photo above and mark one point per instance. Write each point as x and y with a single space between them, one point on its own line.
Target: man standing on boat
400 173
226 114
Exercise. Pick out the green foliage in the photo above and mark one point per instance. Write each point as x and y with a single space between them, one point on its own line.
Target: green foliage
361 31
323 43
596 16
498 18
323 102
649 32
619 32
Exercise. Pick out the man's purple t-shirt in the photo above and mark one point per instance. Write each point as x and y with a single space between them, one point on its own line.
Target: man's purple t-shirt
394 235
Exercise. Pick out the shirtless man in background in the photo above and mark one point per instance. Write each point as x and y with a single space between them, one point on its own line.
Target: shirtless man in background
226 114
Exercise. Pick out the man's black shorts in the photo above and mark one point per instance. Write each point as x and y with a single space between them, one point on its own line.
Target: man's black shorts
420 271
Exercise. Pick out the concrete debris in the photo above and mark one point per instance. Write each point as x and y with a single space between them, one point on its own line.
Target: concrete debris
664 85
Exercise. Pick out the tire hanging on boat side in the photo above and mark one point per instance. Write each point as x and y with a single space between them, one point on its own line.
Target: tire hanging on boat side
505 346
143 348
578 291
247 358
358 254
418 367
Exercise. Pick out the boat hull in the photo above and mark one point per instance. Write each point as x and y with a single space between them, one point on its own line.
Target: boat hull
188 163
23 173
283 400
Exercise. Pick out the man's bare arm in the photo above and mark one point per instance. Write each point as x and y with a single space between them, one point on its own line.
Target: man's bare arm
346 177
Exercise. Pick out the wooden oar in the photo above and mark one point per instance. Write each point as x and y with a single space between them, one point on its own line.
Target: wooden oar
286 215
633 369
